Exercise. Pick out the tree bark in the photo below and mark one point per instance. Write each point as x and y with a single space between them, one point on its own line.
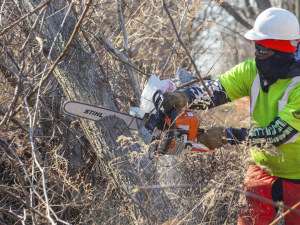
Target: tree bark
125 166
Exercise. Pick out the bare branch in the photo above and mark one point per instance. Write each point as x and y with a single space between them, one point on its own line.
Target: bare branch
9 55
22 126
1 12
31 127
125 59
285 213
175 43
13 102
9 69
250 9
24 17
206 187
133 79
263 4
232 12
119 10
192 61
61 55
23 202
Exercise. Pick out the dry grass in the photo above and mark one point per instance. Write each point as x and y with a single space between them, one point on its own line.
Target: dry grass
225 167
77 189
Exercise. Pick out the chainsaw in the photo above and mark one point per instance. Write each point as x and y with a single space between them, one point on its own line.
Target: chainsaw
165 134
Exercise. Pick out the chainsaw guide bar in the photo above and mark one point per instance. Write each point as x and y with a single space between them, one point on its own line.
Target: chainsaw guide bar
95 113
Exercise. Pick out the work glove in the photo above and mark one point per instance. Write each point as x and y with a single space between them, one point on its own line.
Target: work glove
213 137
176 99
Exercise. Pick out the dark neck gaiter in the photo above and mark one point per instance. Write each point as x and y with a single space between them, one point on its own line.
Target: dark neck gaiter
273 68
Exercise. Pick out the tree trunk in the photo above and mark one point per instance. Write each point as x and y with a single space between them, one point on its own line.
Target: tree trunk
234 13
263 4
125 166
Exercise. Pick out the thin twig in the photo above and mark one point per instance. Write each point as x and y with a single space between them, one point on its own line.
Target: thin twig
20 80
133 78
1 12
22 201
129 64
119 10
287 212
16 169
31 127
22 126
15 98
175 43
60 57
218 188
187 52
40 41
193 82
112 50
27 175
9 69
31 31
9 55
24 17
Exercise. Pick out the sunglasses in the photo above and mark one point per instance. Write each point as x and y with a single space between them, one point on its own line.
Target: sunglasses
261 49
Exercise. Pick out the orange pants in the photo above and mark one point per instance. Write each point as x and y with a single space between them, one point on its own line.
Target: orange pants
260 183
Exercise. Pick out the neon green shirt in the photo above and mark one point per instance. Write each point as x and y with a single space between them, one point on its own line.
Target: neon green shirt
237 82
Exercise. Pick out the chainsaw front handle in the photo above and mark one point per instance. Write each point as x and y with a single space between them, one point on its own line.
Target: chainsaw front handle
171 131
157 98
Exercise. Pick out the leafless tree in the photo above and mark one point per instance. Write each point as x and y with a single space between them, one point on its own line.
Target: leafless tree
55 168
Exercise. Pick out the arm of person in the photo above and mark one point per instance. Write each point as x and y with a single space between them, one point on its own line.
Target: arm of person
279 131
276 133
199 99
230 86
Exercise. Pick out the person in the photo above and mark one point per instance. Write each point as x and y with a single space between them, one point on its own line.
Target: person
272 82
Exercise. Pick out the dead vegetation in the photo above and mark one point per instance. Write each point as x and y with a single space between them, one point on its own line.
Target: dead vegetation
49 171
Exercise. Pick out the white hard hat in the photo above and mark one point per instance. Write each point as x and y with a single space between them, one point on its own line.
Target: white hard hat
275 23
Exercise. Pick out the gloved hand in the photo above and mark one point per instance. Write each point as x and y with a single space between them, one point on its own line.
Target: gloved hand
176 99
213 137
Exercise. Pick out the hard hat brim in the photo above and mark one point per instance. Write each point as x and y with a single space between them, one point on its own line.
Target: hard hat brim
257 36
254 35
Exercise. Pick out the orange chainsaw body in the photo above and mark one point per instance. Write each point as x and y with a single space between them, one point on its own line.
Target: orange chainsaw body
188 121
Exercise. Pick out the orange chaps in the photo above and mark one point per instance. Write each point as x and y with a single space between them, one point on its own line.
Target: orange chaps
257 212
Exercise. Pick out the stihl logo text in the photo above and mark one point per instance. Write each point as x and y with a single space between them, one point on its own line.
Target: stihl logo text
93 113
